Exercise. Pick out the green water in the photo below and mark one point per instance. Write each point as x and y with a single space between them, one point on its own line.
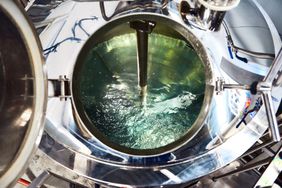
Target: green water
110 96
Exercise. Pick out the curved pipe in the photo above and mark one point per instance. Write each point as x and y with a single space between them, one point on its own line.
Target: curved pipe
103 12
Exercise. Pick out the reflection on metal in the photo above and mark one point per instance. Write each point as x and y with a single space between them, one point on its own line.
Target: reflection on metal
22 85
237 49
245 168
142 30
59 88
13 89
206 14
41 162
264 88
272 172
270 113
211 148
220 86
211 143
215 141
24 118
258 147
39 181
258 162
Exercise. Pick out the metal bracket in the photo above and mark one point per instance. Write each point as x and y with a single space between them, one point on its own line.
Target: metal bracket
40 180
263 88
220 86
59 88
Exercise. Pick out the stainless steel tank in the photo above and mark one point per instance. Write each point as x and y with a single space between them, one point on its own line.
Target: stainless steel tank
168 67
75 149
23 86
211 143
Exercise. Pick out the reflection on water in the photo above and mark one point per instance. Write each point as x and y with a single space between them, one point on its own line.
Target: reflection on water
110 96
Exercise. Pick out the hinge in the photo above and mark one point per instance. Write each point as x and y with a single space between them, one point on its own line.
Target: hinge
59 88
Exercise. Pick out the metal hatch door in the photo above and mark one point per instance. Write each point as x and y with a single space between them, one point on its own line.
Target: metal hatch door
22 91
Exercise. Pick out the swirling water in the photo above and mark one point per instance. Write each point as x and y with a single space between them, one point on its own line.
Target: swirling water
110 95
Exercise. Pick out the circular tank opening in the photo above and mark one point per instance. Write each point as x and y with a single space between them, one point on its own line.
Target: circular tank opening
106 87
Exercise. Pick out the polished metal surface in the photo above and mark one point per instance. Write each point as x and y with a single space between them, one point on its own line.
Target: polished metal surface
143 29
272 172
206 14
273 10
245 168
216 143
39 181
22 99
249 21
264 88
274 70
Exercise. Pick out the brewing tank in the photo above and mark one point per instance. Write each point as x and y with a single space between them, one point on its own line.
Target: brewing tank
107 97
127 133
138 98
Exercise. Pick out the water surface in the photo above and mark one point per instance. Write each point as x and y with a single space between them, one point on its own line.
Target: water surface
110 95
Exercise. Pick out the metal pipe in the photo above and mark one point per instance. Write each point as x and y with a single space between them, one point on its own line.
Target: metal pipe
273 126
279 126
103 12
245 51
252 53
236 86
272 171
278 81
142 60
258 147
40 180
269 151
245 162
220 86
275 68
264 88
143 28
244 168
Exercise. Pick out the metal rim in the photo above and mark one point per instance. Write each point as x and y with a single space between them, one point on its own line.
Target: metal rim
35 128
230 5
86 124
